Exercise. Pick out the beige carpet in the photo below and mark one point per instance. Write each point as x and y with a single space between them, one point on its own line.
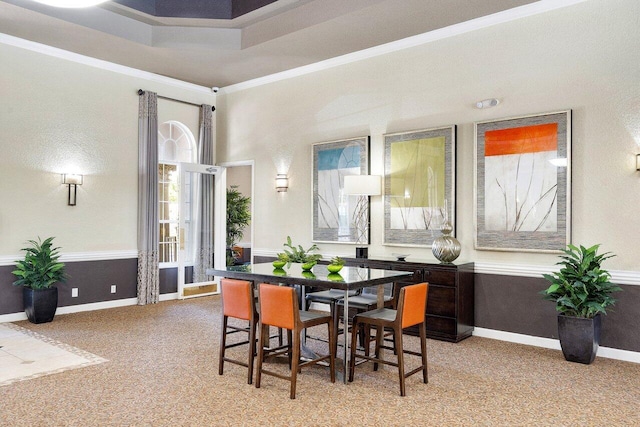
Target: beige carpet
163 371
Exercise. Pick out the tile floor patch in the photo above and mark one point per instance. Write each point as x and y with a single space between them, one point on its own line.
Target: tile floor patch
25 354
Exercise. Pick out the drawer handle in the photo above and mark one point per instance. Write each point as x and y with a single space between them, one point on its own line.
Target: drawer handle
427 272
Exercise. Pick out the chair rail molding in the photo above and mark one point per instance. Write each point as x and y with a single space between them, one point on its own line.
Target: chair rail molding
77 256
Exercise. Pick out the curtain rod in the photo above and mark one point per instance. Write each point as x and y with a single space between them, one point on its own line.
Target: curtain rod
141 92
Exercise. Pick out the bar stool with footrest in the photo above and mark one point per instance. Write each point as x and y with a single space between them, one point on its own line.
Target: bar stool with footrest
411 311
238 302
279 308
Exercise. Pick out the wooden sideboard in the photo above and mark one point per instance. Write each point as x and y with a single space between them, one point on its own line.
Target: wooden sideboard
450 302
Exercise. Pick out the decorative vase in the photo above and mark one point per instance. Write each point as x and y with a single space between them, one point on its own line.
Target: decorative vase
334 268
446 248
278 263
307 266
40 304
579 337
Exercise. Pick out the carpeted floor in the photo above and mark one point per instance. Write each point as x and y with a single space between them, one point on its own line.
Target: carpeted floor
162 370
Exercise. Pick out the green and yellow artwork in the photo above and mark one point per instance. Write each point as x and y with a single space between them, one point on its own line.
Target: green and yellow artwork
419 193
417 183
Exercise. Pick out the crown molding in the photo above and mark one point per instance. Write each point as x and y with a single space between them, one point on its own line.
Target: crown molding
509 15
101 64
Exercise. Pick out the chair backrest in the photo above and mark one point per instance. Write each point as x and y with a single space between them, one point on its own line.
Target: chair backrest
237 298
278 306
373 290
412 304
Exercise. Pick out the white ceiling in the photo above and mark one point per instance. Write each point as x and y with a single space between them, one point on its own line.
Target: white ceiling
213 52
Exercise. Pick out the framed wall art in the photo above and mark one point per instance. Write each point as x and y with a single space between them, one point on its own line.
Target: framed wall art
419 185
523 183
333 210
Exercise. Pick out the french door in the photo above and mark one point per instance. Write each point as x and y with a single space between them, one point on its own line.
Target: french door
202 228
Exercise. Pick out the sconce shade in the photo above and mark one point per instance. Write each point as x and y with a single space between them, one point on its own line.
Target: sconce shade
282 182
70 178
362 185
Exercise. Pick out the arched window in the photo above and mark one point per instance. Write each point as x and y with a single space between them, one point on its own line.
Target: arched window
175 144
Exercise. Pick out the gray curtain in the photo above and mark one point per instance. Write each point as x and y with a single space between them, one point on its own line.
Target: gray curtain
148 234
204 254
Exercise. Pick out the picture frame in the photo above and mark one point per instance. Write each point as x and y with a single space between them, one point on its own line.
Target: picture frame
333 211
522 183
419 185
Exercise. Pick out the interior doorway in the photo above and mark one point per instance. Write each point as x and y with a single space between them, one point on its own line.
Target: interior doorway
240 177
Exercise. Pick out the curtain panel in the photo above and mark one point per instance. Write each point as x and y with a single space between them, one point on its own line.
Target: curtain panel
148 232
204 257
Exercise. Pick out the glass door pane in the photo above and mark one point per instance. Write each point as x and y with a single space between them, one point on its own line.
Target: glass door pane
200 201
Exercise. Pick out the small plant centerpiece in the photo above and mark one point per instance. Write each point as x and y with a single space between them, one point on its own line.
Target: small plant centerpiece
37 273
336 264
282 260
582 292
300 255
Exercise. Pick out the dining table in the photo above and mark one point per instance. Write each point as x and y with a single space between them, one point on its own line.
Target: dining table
349 278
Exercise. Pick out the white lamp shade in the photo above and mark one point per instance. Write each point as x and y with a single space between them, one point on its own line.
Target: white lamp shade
71 178
362 185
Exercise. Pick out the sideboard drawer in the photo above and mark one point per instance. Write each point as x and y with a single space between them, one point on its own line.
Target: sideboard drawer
441 325
440 277
441 301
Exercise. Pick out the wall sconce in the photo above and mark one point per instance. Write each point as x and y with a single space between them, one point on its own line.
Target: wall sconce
74 180
638 162
282 182
362 186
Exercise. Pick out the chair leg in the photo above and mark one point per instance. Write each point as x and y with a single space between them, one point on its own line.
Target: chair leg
336 325
379 338
261 343
352 358
289 341
400 351
423 345
223 343
294 363
252 350
333 344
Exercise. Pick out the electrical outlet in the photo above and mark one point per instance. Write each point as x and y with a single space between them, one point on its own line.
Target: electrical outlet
113 289
74 292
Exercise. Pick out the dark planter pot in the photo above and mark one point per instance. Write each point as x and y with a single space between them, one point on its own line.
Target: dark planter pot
579 337
40 304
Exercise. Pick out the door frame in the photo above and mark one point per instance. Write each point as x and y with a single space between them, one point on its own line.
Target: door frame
219 221
253 203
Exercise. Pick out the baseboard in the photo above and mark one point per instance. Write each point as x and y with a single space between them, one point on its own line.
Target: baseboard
606 352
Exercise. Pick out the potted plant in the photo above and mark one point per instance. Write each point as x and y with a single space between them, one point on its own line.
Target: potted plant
581 291
37 273
299 254
238 217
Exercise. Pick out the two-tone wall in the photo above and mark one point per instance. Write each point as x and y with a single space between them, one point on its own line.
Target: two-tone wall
582 57
62 112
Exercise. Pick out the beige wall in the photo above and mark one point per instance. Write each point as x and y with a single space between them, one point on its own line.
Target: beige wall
583 57
58 115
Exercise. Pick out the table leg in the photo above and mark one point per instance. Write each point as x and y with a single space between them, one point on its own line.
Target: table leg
345 337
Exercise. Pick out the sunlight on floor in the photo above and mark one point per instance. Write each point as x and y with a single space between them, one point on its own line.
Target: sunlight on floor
25 354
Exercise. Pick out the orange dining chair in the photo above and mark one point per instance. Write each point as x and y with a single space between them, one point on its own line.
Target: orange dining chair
411 311
279 308
238 302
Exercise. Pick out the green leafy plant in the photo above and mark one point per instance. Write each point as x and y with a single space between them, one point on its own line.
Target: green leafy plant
299 254
581 288
40 268
337 261
238 217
